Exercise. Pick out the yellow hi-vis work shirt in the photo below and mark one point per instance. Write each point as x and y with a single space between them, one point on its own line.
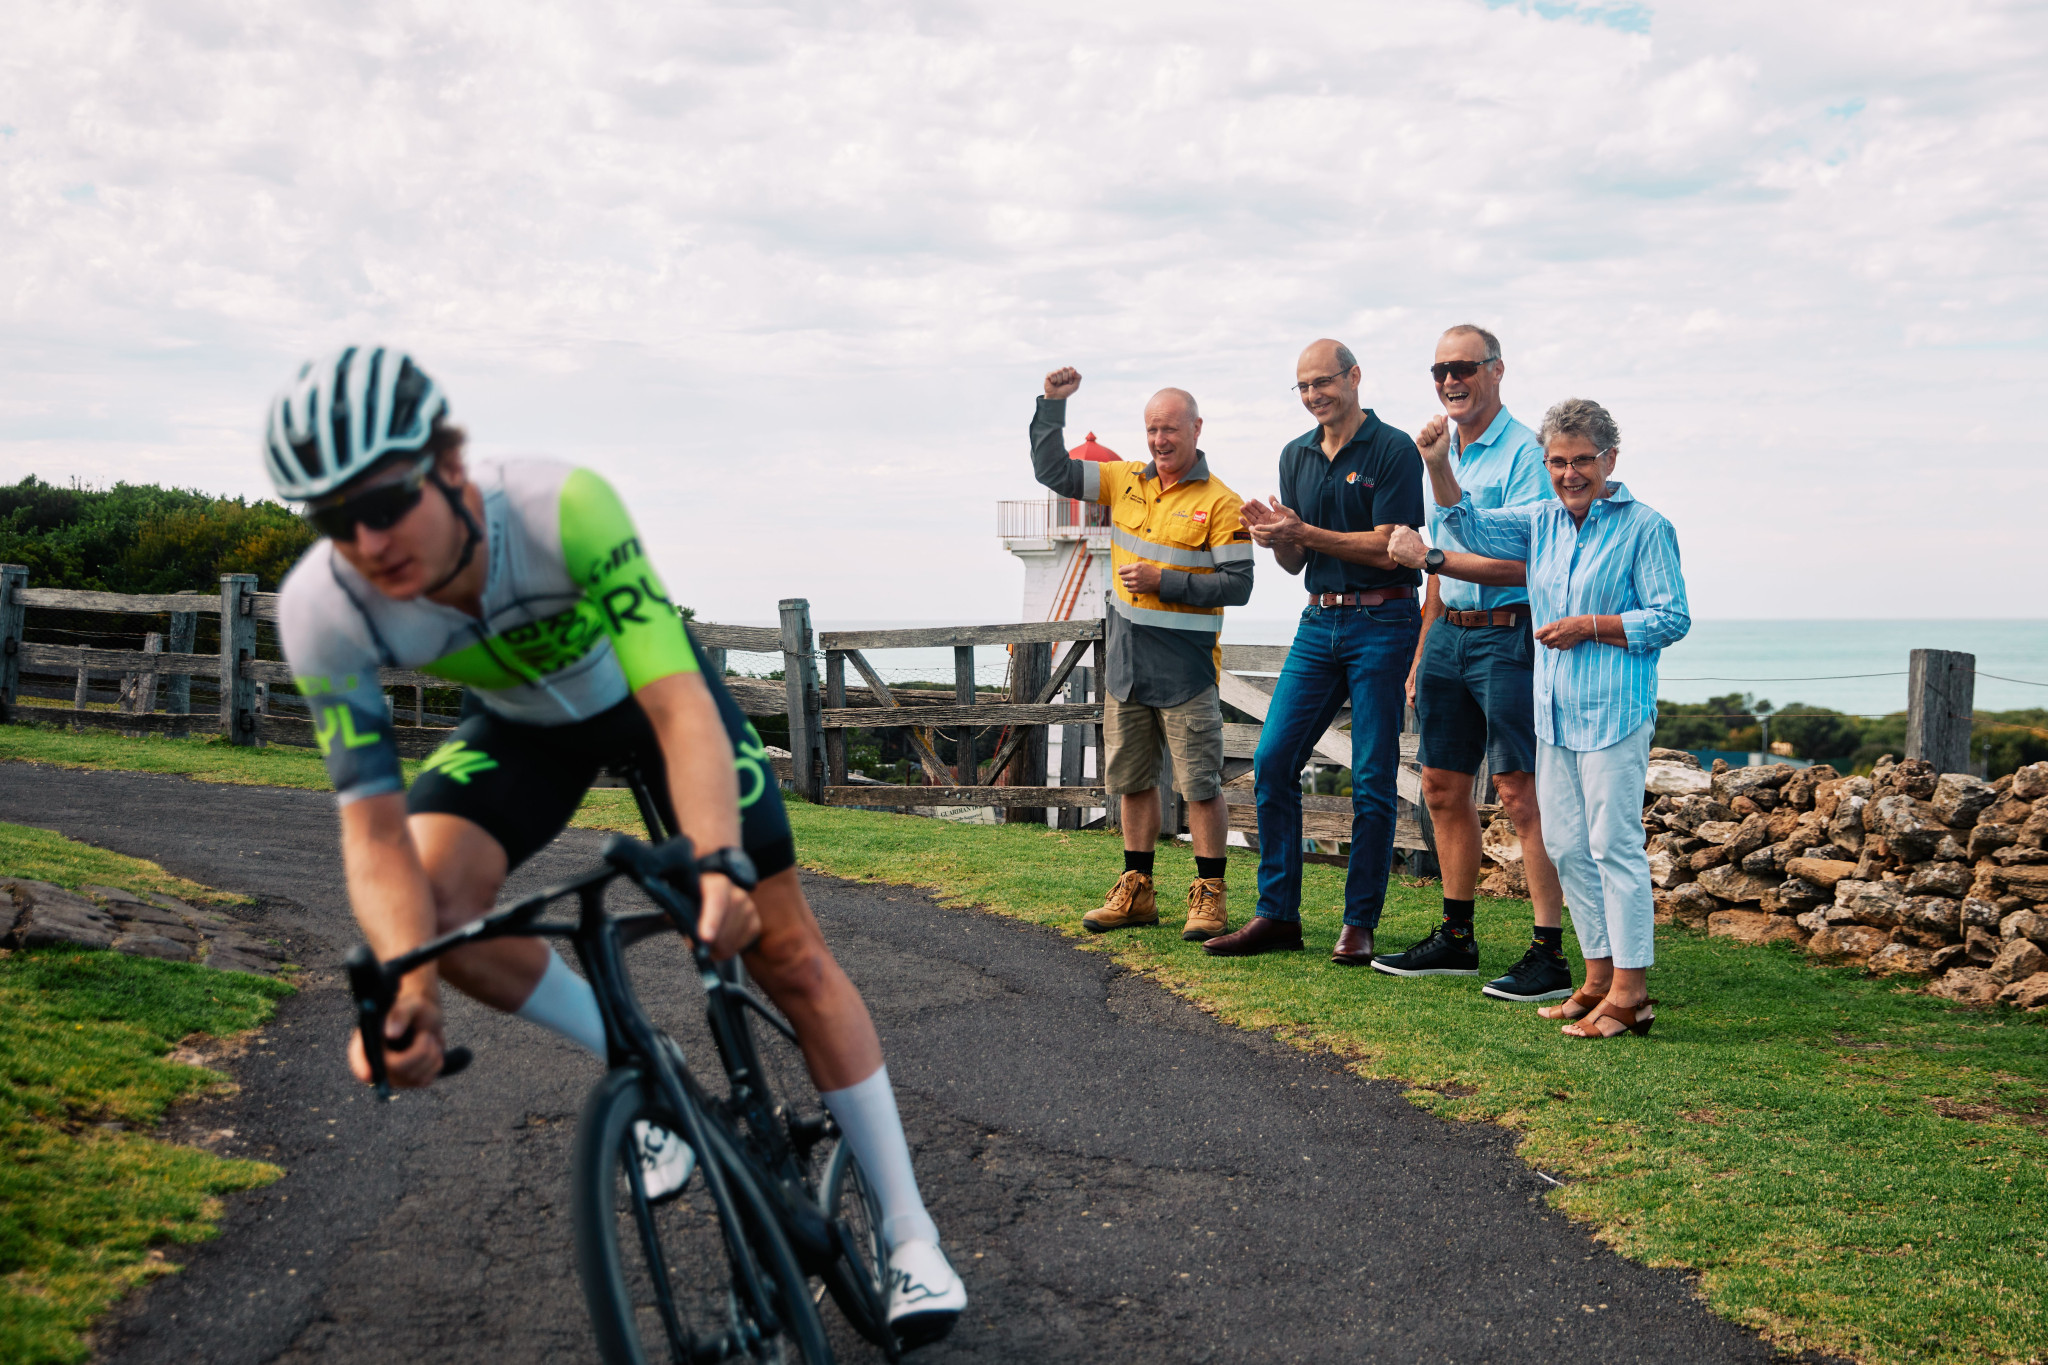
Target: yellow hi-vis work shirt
1163 647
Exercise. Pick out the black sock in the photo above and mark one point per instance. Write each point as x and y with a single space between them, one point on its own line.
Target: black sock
1458 917
1135 861
1551 939
1209 868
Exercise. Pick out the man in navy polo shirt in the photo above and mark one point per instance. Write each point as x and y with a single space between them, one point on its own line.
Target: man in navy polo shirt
1344 487
1473 681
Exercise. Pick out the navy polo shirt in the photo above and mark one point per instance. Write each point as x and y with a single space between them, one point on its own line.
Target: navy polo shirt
1376 480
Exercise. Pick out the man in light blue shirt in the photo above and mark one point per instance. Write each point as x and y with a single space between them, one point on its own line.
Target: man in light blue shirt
1608 596
1472 683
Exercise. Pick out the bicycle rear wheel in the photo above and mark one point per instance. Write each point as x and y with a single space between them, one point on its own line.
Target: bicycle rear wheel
658 1279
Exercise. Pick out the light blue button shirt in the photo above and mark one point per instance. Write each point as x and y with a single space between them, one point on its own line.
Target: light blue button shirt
1623 561
1503 468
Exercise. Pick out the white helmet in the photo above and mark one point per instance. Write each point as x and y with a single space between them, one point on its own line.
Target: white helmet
344 414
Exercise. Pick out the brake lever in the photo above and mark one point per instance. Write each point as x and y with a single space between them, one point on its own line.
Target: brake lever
374 990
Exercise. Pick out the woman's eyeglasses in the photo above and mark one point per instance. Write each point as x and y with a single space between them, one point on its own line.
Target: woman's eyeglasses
380 509
1581 465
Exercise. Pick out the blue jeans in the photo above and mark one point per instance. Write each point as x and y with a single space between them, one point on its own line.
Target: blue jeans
1361 654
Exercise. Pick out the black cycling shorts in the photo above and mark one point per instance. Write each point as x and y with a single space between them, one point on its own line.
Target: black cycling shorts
522 783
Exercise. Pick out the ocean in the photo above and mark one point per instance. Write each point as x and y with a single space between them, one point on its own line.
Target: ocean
1853 666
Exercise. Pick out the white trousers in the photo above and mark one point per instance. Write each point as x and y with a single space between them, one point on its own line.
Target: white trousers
1592 805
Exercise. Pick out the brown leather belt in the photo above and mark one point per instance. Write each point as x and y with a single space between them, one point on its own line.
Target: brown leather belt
1504 617
1358 599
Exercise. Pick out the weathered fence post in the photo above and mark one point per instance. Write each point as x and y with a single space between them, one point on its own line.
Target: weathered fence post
1941 695
1074 745
237 649
966 767
181 638
835 695
1030 671
800 685
138 690
13 620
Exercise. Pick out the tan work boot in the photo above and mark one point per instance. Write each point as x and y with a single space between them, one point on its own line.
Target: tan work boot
1206 917
1130 906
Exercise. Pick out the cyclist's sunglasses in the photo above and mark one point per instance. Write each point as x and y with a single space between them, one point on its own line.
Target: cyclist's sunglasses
1456 369
380 509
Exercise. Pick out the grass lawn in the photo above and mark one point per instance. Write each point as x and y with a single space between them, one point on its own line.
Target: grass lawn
1851 1166
86 1197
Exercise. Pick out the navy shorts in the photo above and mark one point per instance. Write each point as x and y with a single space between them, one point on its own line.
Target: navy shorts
522 783
1475 697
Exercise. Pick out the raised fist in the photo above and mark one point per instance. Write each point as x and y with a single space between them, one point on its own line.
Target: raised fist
1434 440
1062 382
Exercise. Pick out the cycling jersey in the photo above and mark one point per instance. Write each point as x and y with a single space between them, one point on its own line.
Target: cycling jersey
574 620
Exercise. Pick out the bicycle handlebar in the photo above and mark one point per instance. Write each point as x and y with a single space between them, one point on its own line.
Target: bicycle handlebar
667 872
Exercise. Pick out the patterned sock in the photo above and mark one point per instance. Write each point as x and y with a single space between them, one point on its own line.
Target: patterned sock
1209 868
1551 939
1458 917
1135 861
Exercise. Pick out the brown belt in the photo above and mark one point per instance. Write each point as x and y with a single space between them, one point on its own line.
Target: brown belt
1486 618
1358 599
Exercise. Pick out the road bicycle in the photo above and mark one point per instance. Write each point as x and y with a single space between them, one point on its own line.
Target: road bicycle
775 1212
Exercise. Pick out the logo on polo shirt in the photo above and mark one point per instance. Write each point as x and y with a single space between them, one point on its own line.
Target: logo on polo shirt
1352 477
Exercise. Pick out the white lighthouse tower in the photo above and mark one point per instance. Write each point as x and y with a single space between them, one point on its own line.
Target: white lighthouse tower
1064 544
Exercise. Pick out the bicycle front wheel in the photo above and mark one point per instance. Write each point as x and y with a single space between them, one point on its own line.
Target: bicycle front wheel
658 1278
860 1285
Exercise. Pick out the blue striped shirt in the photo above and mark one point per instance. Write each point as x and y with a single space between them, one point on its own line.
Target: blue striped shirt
1622 562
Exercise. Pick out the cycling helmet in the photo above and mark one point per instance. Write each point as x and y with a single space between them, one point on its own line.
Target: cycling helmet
343 415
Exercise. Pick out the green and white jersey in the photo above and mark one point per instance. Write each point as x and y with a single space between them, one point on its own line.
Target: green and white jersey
574 620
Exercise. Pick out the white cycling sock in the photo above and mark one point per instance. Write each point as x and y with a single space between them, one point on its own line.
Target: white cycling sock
564 1002
866 1114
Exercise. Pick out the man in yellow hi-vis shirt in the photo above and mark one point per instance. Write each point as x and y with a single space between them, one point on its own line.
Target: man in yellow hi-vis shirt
1181 555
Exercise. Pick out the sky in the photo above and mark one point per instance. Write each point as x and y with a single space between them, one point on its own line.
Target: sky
791 275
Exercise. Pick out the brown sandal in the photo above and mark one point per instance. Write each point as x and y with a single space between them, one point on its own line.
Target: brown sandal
1636 1021
1586 1002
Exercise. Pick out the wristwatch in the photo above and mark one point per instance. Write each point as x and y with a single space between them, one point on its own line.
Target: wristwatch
1433 561
733 864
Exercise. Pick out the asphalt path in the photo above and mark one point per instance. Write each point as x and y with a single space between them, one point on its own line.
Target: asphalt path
1118 1176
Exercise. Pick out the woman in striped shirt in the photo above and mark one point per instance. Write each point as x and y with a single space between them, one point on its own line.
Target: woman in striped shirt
1607 596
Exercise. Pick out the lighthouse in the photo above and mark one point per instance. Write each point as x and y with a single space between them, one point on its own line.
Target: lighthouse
1064 543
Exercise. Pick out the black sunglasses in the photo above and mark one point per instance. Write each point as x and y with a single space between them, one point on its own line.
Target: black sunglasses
380 509
1456 369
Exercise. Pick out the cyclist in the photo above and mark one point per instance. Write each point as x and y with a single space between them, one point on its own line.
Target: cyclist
525 582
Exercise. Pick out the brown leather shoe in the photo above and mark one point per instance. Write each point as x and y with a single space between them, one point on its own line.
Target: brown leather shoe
1354 947
1206 915
1262 935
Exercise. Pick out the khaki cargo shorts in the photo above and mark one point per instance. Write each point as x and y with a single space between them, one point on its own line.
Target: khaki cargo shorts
1193 731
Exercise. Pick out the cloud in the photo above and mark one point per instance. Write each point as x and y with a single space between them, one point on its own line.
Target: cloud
792 273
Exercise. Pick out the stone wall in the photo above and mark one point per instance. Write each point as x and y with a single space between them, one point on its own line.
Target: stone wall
1910 872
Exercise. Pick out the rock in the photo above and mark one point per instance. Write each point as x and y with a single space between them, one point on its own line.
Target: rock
2019 959
153 945
1797 893
2007 810
1950 851
1750 926
1720 832
1748 805
1713 855
111 893
1688 813
1733 884
1954 955
1692 906
1846 825
1967 986
2034 833
1813 921
2031 782
1896 959
1852 941
1764 861
1940 879
1748 781
1676 779
1981 914
1667 870
1831 853
1720 766
233 960
1683 757
1982 946
2030 994
47 915
1878 903
1784 820
2024 924
2030 884
1500 842
1825 872
1799 789
2019 855
170 903
1509 881
1937 915
1752 835
1959 798
1908 825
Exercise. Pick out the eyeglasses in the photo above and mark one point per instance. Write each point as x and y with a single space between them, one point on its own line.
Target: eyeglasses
1578 464
380 509
1456 369
1324 384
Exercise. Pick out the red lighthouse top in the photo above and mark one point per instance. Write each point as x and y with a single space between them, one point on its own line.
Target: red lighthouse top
1090 449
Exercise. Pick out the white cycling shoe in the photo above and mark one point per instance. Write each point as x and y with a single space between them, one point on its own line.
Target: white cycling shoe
666 1161
925 1296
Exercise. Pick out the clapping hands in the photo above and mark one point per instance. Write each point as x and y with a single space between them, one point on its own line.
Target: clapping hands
1271 524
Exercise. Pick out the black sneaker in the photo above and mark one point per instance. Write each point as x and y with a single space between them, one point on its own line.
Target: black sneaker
1438 955
1540 975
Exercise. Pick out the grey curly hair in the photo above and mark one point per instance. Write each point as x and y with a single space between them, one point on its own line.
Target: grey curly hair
1580 417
